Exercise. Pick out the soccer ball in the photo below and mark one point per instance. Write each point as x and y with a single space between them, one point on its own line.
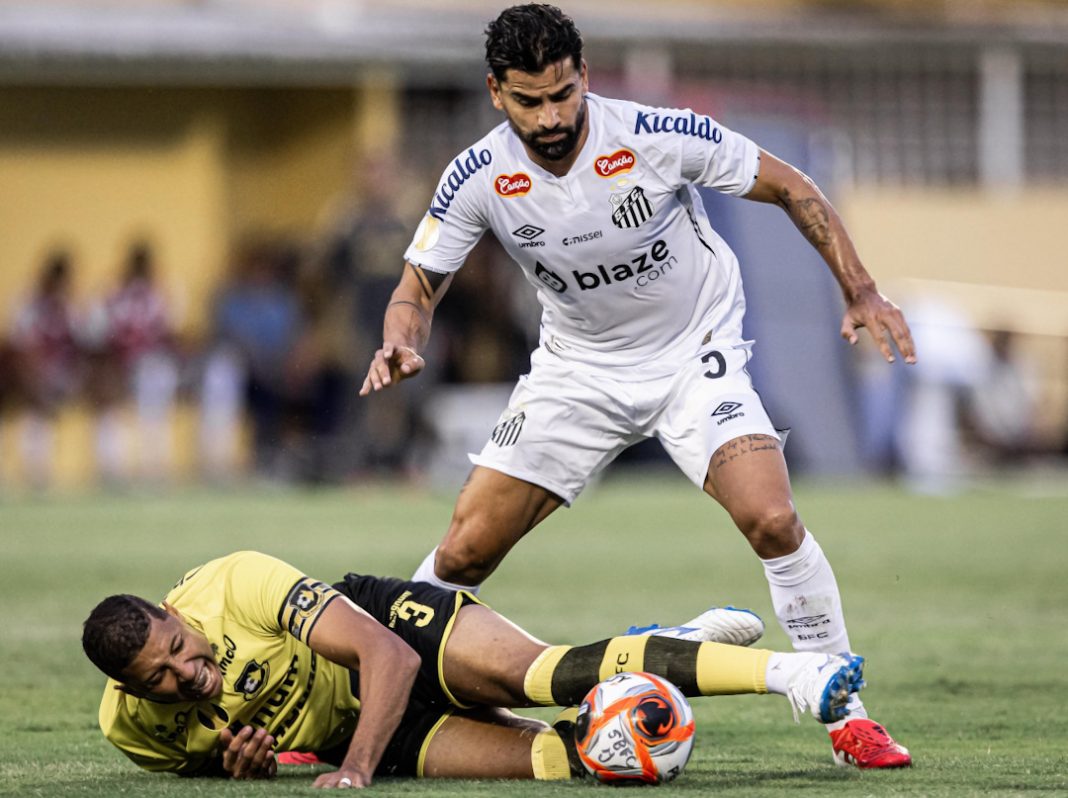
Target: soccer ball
634 728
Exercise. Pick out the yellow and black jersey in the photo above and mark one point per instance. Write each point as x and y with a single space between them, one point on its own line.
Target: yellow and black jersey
257 612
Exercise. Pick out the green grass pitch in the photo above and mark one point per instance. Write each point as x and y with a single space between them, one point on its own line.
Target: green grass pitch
958 603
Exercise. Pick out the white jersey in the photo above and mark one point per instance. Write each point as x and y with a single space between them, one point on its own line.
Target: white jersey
628 270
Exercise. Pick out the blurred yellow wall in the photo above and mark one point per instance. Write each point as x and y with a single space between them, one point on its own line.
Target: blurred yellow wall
996 256
193 170
999 255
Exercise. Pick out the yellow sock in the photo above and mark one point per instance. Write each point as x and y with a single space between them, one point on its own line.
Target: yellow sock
563 675
548 756
729 670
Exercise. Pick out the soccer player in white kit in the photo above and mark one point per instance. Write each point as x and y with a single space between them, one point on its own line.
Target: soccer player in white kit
641 328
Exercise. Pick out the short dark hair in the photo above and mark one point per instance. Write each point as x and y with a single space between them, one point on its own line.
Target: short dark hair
116 631
531 37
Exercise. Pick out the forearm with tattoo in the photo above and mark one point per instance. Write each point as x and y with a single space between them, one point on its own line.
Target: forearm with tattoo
811 217
820 225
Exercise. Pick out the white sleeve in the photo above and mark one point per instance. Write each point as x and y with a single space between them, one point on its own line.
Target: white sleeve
725 160
454 222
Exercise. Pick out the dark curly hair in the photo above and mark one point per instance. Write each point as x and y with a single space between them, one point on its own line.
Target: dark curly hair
531 37
116 631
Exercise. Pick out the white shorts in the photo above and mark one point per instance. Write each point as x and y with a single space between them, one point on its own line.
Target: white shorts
564 423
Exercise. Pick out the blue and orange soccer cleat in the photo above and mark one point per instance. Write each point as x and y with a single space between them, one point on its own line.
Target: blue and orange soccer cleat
865 744
824 684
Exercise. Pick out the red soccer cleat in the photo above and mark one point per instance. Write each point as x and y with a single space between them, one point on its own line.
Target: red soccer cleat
865 744
298 758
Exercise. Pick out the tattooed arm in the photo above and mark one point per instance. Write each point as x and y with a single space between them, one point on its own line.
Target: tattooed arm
816 218
406 327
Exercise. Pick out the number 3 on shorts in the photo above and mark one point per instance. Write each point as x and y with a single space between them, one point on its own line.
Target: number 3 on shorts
419 614
720 364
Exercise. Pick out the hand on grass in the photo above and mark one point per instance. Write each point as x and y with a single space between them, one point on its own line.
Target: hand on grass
249 754
344 779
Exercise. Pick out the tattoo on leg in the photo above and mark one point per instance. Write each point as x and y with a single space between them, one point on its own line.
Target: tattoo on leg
745 444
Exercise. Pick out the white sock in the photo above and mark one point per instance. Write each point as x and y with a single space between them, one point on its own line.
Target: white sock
782 667
425 573
807 604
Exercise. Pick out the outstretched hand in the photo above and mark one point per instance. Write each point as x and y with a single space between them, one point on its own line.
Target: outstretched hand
392 363
880 316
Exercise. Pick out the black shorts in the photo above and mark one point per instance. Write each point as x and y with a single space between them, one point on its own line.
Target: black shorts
422 615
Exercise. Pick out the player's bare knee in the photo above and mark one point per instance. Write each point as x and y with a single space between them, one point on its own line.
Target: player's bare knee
460 563
773 531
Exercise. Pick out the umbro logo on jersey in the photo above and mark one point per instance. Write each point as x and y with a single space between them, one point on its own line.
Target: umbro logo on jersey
529 233
516 185
632 209
729 411
506 433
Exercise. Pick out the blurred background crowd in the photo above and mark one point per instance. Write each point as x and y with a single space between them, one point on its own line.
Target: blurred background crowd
204 204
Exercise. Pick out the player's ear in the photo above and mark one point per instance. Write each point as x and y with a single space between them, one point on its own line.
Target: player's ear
172 611
584 76
129 691
494 90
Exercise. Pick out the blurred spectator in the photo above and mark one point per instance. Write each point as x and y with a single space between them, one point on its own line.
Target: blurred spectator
320 380
136 360
364 253
7 391
1003 406
46 363
222 400
951 368
483 341
257 325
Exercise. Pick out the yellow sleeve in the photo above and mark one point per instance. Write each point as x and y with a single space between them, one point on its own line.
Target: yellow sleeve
152 736
274 596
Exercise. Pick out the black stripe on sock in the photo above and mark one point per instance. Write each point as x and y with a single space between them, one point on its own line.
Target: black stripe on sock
675 660
577 673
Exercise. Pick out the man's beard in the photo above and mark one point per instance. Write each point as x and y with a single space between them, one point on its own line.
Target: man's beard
556 150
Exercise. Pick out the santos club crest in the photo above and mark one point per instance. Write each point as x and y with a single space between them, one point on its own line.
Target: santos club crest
632 208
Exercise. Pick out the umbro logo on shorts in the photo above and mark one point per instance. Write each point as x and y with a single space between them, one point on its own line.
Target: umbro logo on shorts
728 412
633 209
726 408
506 433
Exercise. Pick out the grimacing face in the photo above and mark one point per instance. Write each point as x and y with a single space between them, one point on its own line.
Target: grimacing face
176 664
547 109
